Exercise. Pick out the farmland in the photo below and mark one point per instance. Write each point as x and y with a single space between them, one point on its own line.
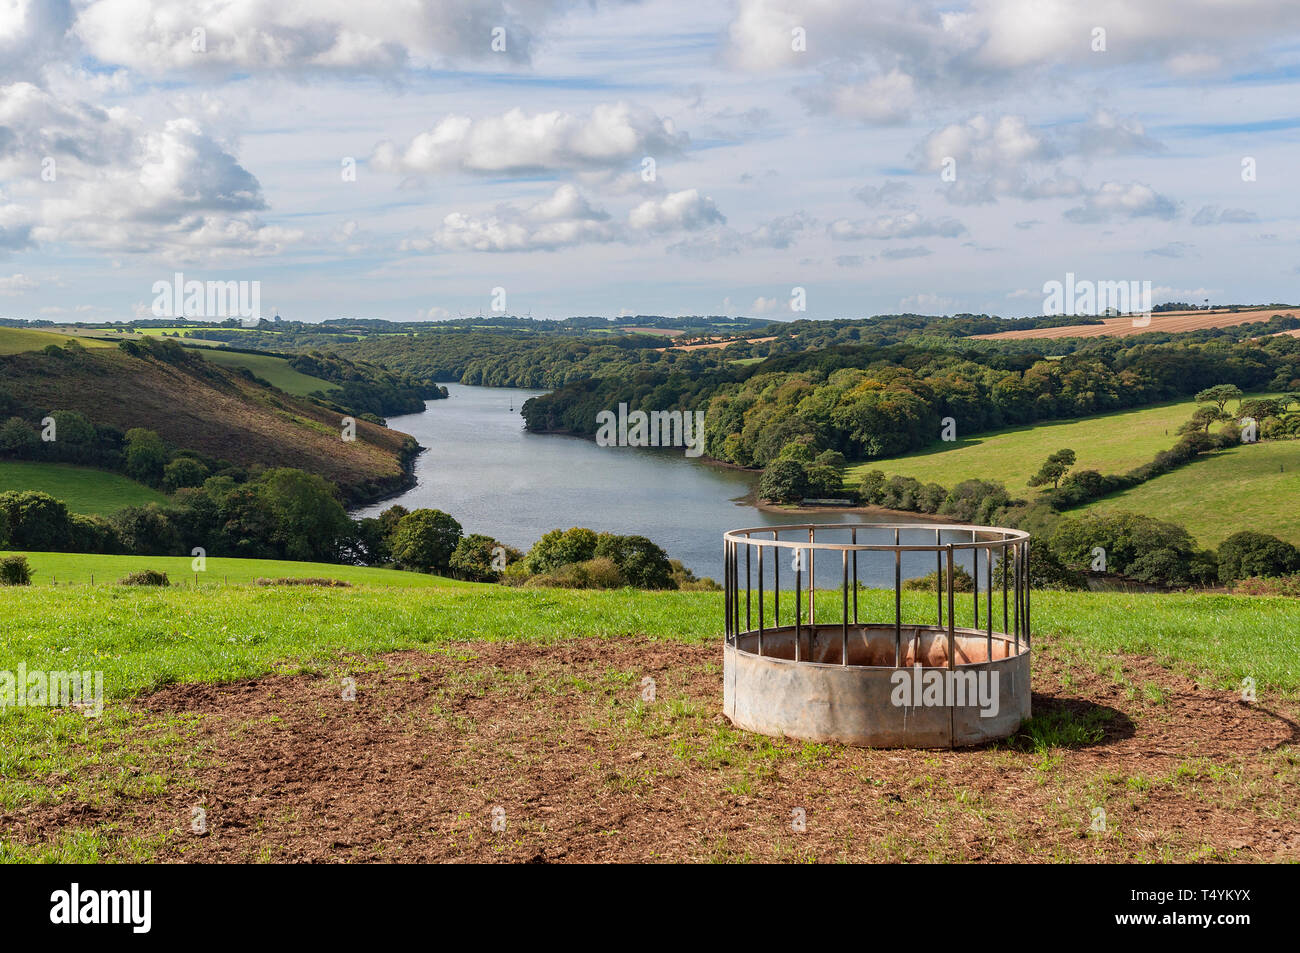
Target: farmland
20 340
274 370
1166 322
83 489
472 696
1247 487
1110 443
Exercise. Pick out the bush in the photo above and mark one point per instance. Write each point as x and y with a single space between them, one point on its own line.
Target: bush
145 577
1270 586
961 581
183 472
14 571
305 581
598 573
642 563
1255 554
476 558
687 581
561 548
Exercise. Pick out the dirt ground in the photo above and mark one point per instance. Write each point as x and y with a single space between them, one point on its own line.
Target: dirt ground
1166 321
555 744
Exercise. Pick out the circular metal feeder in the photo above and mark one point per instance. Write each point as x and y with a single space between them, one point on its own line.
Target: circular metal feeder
789 670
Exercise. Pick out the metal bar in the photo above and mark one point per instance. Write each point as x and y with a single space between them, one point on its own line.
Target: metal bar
975 578
812 573
776 581
798 606
749 584
988 616
726 591
844 619
938 571
1029 643
952 650
760 602
1005 581
854 540
1016 569
898 605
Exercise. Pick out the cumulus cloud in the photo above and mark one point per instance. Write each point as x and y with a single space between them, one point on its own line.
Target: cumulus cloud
518 142
777 233
686 210
562 219
32 33
118 184
1115 200
250 36
887 194
885 227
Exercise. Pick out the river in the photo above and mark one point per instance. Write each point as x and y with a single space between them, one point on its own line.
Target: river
496 478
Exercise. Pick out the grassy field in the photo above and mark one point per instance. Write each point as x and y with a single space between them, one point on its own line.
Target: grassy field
1110 443
475 695
79 569
18 340
275 370
84 489
1248 487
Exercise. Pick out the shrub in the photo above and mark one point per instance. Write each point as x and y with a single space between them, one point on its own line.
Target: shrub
1270 586
183 472
1255 554
476 558
560 548
14 571
305 581
145 577
598 573
640 562
961 581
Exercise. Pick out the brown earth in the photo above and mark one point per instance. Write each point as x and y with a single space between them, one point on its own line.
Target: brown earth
197 405
716 345
558 737
1167 322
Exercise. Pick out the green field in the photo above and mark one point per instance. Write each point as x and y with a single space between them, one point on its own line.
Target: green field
1255 486
83 489
275 370
18 340
1109 443
80 569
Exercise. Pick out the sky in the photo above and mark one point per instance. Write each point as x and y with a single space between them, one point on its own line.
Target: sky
431 159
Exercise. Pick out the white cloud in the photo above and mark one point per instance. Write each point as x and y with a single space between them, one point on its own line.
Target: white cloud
17 284
1213 215
517 142
885 227
1115 200
678 211
560 220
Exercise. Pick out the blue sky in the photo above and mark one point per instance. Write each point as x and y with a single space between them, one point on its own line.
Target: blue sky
794 145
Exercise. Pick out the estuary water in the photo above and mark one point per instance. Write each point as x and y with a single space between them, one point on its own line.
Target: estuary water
495 478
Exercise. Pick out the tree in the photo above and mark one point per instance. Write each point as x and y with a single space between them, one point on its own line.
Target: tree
1255 554
642 563
183 472
310 522
480 558
783 481
18 438
1219 395
1053 468
146 456
37 521
1202 417
425 540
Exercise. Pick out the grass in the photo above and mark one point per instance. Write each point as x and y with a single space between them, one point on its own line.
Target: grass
1253 486
78 568
275 370
1109 443
18 340
83 489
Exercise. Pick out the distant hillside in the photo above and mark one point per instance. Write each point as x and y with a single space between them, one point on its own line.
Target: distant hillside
198 405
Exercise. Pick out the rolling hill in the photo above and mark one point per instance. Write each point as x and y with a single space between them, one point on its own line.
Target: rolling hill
83 489
199 405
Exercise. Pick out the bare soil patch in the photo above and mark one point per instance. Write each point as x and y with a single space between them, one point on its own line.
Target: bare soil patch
559 738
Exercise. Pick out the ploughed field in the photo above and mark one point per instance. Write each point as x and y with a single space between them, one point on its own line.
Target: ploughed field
473 722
